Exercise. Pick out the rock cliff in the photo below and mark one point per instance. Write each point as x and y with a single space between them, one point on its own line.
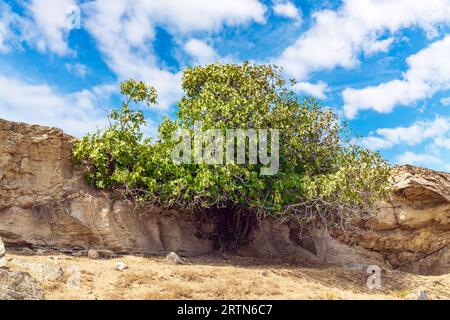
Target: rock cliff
45 202
410 232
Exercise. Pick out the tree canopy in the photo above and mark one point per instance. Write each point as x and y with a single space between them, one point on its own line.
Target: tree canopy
321 174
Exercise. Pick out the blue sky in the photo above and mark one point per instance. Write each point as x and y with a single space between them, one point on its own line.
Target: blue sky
384 66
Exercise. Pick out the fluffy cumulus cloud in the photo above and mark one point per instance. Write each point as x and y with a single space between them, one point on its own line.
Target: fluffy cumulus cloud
443 143
419 159
124 31
372 47
421 131
135 19
77 69
432 137
44 25
200 52
313 89
13 28
184 16
5 25
42 104
50 18
286 9
337 38
429 72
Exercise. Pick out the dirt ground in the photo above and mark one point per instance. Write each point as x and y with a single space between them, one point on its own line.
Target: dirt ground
216 277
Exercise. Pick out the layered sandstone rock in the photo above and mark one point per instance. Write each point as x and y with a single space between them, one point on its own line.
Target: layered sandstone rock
410 232
45 202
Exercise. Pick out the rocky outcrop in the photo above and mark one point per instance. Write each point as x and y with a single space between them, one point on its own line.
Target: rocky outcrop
410 232
45 202
312 245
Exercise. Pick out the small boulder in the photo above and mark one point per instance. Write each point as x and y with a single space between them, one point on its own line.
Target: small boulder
173 258
93 254
120 266
16 285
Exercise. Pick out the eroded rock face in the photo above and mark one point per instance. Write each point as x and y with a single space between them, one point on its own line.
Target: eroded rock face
412 230
313 245
45 202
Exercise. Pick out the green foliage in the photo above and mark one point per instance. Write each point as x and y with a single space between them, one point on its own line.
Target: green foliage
115 155
322 175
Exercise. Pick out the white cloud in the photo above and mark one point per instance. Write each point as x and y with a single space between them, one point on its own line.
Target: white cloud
124 31
41 104
287 9
127 28
442 143
78 69
415 134
185 16
429 72
12 27
50 24
371 47
337 37
200 52
419 159
314 89
136 19
5 22
445 101
433 136
130 56
42 25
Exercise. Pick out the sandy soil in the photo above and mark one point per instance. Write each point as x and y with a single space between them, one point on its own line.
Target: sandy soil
216 277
